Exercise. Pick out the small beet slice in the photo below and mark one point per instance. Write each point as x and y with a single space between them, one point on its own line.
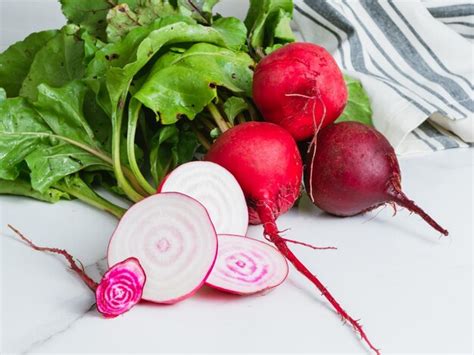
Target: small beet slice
174 239
121 288
246 266
217 189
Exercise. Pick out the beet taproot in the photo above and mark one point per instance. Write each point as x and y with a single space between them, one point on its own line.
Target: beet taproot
353 169
265 160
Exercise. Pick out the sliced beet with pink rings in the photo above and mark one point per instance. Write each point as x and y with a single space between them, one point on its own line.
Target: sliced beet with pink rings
120 288
173 237
245 266
217 189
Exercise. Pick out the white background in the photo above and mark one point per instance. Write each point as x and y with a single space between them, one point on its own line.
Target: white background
411 288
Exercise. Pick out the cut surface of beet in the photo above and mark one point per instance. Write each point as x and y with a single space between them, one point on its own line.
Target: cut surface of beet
174 239
121 288
217 189
246 266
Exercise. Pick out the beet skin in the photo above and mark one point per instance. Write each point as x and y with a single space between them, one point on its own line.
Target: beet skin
299 87
354 169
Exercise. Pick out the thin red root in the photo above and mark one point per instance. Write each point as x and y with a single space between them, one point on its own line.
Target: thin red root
78 268
271 230
302 243
402 200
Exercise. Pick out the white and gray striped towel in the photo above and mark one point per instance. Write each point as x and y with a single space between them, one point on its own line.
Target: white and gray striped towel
414 58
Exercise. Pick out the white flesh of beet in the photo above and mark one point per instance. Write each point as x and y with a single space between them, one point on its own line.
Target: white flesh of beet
174 239
245 266
217 189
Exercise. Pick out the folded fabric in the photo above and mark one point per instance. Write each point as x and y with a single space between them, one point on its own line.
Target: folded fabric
415 66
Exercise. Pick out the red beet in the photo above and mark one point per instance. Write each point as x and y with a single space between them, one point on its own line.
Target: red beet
265 160
353 169
301 88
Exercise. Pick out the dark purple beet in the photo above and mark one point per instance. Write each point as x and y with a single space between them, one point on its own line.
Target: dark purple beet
354 169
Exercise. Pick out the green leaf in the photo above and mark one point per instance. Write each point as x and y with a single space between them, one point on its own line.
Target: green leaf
76 187
98 120
91 14
3 94
280 27
170 147
200 10
21 132
22 187
119 62
183 84
91 46
50 152
268 23
102 179
358 106
233 30
233 106
122 19
62 109
16 60
60 61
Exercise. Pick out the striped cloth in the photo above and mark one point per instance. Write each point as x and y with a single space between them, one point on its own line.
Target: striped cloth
414 59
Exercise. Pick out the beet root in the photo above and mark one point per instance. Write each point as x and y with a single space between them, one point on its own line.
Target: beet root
353 169
301 88
265 160
73 264
119 290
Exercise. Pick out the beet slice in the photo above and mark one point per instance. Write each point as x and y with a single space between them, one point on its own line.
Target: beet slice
121 288
174 239
217 189
245 266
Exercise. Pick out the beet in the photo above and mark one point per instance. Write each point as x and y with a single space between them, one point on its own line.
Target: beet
353 169
245 266
265 160
299 87
173 237
120 288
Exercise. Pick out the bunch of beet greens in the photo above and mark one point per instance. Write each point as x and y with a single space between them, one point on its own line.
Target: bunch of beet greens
125 98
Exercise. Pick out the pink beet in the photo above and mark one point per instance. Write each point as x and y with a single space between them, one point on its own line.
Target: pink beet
353 169
216 189
265 160
245 266
121 288
301 88
173 237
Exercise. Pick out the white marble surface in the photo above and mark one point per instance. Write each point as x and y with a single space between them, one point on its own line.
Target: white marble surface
411 288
